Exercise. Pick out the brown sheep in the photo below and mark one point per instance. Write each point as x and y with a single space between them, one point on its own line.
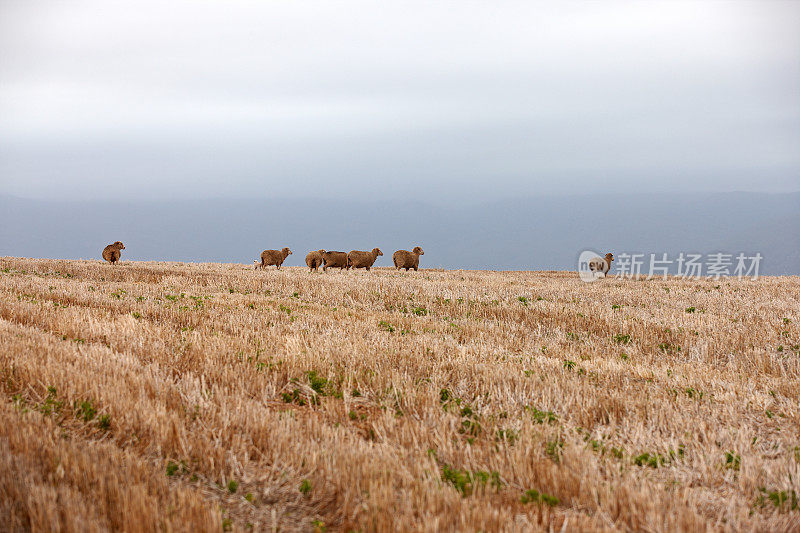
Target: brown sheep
406 259
601 265
359 259
334 260
314 260
274 257
113 252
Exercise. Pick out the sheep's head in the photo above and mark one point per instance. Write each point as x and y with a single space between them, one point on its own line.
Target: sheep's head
287 251
119 246
418 250
377 251
609 257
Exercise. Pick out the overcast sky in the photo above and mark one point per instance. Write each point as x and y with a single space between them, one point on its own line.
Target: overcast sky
431 101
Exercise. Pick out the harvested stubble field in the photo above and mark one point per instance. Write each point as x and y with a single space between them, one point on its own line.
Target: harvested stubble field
206 397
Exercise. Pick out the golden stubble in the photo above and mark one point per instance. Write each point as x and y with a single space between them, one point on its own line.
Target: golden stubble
181 396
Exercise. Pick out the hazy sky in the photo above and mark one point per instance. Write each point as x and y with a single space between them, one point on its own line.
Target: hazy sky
432 101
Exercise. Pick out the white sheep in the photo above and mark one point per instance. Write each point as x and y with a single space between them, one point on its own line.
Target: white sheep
600 266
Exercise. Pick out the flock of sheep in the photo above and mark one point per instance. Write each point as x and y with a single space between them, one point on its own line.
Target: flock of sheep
314 260
342 260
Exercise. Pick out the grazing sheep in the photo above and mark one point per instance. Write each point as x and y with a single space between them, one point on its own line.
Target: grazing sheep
314 260
113 252
334 260
406 259
359 259
600 265
274 257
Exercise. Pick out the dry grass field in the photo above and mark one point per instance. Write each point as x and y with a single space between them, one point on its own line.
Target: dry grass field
209 397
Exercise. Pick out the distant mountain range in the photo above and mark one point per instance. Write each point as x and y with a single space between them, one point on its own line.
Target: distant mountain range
537 233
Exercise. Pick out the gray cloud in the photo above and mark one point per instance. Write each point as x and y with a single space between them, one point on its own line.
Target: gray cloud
435 102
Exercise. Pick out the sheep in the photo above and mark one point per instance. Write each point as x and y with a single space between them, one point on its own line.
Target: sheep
334 260
600 266
274 257
360 259
406 259
113 252
314 260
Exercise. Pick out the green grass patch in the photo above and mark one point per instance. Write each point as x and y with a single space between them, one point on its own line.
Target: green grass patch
85 410
733 460
172 468
466 482
541 417
534 496
619 338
